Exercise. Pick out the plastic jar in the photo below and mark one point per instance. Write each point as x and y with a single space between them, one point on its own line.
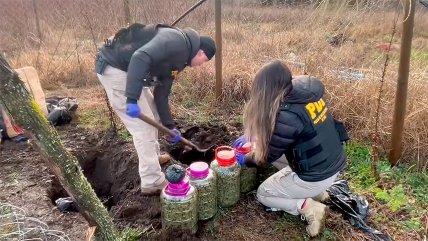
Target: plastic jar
266 171
180 206
248 174
205 182
228 172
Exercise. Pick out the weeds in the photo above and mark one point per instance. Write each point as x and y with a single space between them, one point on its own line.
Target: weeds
132 234
252 36
403 190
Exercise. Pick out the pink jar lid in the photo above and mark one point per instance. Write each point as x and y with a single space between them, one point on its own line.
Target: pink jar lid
198 170
178 189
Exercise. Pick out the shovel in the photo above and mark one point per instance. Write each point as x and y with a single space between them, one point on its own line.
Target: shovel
165 130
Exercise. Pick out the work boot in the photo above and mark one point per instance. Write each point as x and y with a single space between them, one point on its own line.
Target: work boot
164 158
314 213
322 197
153 191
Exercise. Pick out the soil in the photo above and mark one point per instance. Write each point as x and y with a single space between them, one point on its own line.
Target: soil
110 164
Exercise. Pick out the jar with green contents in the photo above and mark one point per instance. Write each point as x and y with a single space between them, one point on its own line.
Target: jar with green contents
228 172
248 174
205 182
266 171
180 206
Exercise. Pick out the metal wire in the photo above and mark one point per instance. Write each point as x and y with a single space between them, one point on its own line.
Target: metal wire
15 225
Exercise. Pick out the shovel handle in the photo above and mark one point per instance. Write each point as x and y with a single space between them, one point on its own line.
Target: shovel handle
157 125
165 130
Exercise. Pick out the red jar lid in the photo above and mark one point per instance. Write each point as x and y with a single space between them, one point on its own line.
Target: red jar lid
245 149
225 156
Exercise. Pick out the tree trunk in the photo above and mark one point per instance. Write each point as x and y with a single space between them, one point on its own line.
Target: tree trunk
24 110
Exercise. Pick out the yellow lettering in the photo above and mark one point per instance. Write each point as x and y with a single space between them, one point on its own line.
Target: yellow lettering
319 106
311 108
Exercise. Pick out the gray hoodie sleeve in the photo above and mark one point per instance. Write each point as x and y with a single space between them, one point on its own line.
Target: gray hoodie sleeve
161 95
151 54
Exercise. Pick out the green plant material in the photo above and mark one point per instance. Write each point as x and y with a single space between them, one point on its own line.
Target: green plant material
180 212
23 109
413 224
419 184
291 225
359 167
207 196
266 171
327 234
395 198
248 179
124 134
92 118
132 234
228 183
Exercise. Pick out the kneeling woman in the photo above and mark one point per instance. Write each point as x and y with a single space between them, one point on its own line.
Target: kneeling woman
288 116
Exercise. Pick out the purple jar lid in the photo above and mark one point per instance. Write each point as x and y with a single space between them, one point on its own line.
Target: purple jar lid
178 189
198 170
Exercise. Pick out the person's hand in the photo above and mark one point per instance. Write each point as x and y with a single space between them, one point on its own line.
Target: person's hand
240 158
175 138
133 110
238 143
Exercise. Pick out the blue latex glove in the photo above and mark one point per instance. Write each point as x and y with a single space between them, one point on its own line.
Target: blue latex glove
176 138
133 110
238 143
240 158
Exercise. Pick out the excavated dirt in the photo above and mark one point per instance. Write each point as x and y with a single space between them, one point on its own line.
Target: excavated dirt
205 137
111 166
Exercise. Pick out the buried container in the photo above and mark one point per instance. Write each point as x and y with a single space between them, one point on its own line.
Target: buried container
179 202
248 179
205 182
228 172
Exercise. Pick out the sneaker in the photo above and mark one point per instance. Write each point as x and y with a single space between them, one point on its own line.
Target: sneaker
315 214
322 197
164 158
153 191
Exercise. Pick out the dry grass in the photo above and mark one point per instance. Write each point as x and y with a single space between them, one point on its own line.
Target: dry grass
252 36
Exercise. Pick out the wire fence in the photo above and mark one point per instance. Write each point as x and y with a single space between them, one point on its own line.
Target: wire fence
16 225
341 42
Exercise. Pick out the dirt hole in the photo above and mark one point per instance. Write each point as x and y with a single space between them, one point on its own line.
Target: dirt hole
111 166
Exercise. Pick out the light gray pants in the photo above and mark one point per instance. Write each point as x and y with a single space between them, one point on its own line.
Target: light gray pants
145 136
286 191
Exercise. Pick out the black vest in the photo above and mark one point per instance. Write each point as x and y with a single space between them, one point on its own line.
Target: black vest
318 146
118 50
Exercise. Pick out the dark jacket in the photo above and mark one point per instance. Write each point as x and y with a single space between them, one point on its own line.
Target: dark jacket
307 138
155 63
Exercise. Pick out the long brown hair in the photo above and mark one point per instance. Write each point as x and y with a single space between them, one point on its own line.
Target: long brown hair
270 86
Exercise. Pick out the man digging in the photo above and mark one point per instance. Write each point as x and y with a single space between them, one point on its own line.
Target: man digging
128 64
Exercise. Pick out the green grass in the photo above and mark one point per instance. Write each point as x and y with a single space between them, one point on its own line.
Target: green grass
95 118
403 192
359 171
124 134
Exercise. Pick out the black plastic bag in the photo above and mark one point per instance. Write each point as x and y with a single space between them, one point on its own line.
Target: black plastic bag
354 208
66 205
60 109
59 116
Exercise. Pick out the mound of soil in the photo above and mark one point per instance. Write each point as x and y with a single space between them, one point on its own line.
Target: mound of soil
205 137
111 166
